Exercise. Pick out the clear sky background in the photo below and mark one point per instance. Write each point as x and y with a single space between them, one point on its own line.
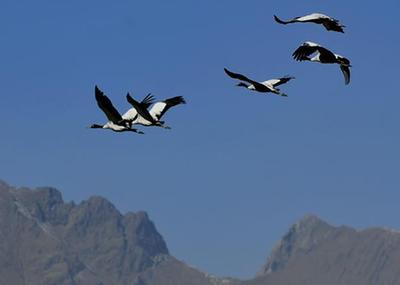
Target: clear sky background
237 168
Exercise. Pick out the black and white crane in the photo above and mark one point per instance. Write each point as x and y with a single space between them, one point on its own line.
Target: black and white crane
329 23
323 55
116 123
140 114
264 87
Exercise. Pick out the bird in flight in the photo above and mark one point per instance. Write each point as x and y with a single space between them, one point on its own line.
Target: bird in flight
140 114
329 23
264 87
322 55
115 122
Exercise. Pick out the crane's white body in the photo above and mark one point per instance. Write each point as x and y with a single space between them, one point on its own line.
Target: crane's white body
268 83
133 116
154 114
117 128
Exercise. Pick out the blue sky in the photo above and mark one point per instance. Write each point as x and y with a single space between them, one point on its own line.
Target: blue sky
237 168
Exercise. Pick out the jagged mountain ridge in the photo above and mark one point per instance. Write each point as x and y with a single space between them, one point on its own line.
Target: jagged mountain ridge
44 240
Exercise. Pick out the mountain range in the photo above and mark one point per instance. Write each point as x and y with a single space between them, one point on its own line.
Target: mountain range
46 241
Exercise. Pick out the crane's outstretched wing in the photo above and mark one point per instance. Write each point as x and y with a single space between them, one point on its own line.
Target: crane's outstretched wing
132 114
346 73
304 51
311 18
107 107
333 25
238 76
140 109
308 48
328 22
159 108
258 86
279 81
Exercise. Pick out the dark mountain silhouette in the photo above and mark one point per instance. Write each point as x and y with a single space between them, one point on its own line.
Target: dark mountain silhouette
44 240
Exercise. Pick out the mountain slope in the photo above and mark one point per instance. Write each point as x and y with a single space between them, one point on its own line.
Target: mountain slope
46 241
314 253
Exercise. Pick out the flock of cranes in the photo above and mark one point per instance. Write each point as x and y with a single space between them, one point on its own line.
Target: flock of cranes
140 114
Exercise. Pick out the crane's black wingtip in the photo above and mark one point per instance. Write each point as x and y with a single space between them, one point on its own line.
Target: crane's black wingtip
229 73
129 97
175 101
98 92
279 20
179 100
182 100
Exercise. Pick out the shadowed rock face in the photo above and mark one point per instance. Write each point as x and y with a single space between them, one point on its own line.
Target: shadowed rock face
46 241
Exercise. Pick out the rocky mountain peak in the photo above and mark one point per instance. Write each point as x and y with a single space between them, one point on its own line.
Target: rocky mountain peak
310 221
300 239
48 196
3 184
89 243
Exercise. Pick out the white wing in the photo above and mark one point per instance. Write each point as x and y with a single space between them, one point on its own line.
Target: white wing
141 121
157 110
271 82
130 115
276 82
312 17
311 44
